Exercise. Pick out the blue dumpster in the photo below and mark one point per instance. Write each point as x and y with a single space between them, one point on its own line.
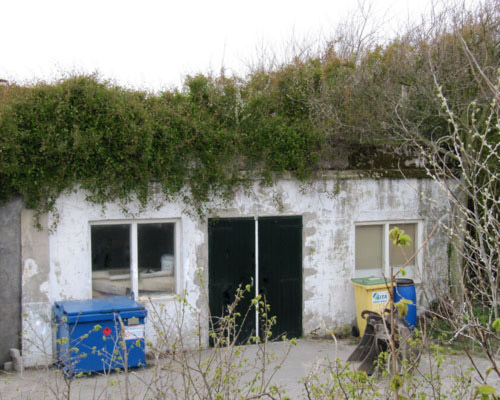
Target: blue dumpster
405 289
92 335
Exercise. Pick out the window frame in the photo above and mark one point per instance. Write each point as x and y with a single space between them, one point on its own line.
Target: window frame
134 253
386 268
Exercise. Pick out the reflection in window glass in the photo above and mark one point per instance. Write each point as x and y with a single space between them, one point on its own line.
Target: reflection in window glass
110 260
156 258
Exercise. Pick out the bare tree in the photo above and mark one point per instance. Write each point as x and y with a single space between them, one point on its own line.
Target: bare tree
465 161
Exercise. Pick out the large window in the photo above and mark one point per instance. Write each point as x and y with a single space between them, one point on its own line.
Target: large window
375 253
139 257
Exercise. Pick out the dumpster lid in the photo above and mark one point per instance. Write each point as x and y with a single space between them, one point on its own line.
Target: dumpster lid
369 281
100 305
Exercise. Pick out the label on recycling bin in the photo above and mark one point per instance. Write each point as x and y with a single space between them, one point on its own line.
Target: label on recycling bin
381 297
134 332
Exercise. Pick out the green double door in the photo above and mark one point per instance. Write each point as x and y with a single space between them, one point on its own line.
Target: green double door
276 273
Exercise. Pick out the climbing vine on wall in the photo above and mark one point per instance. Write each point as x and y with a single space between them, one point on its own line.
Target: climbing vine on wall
114 142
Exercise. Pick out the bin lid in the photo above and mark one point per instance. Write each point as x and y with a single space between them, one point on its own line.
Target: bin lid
369 281
404 282
100 305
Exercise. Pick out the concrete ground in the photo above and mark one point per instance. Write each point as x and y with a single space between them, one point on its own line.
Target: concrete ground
308 355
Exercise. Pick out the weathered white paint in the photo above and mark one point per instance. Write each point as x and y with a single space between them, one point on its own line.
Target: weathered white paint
37 343
30 268
35 299
330 208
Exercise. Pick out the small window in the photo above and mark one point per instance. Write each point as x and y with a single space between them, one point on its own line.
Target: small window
134 257
110 260
372 244
369 248
156 258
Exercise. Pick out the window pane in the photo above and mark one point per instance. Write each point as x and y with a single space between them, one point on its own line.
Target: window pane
156 258
369 248
110 260
400 255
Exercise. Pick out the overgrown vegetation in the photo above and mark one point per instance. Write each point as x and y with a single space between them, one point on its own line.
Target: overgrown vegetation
333 108
114 142
462 154
433 90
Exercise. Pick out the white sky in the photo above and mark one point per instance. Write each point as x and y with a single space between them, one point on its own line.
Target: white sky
153 44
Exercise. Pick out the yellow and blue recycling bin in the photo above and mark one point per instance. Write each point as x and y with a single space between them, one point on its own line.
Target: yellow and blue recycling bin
372 294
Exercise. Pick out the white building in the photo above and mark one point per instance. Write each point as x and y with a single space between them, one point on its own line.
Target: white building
321 235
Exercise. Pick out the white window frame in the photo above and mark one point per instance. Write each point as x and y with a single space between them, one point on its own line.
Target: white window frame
134 253
386 242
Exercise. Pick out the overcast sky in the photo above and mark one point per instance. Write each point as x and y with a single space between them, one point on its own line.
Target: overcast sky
153 44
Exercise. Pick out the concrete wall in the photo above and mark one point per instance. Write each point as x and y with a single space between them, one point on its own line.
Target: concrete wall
10 277
36 301
330 208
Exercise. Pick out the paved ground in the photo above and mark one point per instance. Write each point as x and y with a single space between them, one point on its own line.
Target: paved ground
307 355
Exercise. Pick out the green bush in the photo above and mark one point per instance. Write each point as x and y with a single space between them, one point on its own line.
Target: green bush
209 138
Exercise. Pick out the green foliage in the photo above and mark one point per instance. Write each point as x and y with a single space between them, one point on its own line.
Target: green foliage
427 379
495 326
442 330
402 307
485 391
208 139
399 238
114 142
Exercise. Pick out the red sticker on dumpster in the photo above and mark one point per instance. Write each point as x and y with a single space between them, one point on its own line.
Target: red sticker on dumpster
106 331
